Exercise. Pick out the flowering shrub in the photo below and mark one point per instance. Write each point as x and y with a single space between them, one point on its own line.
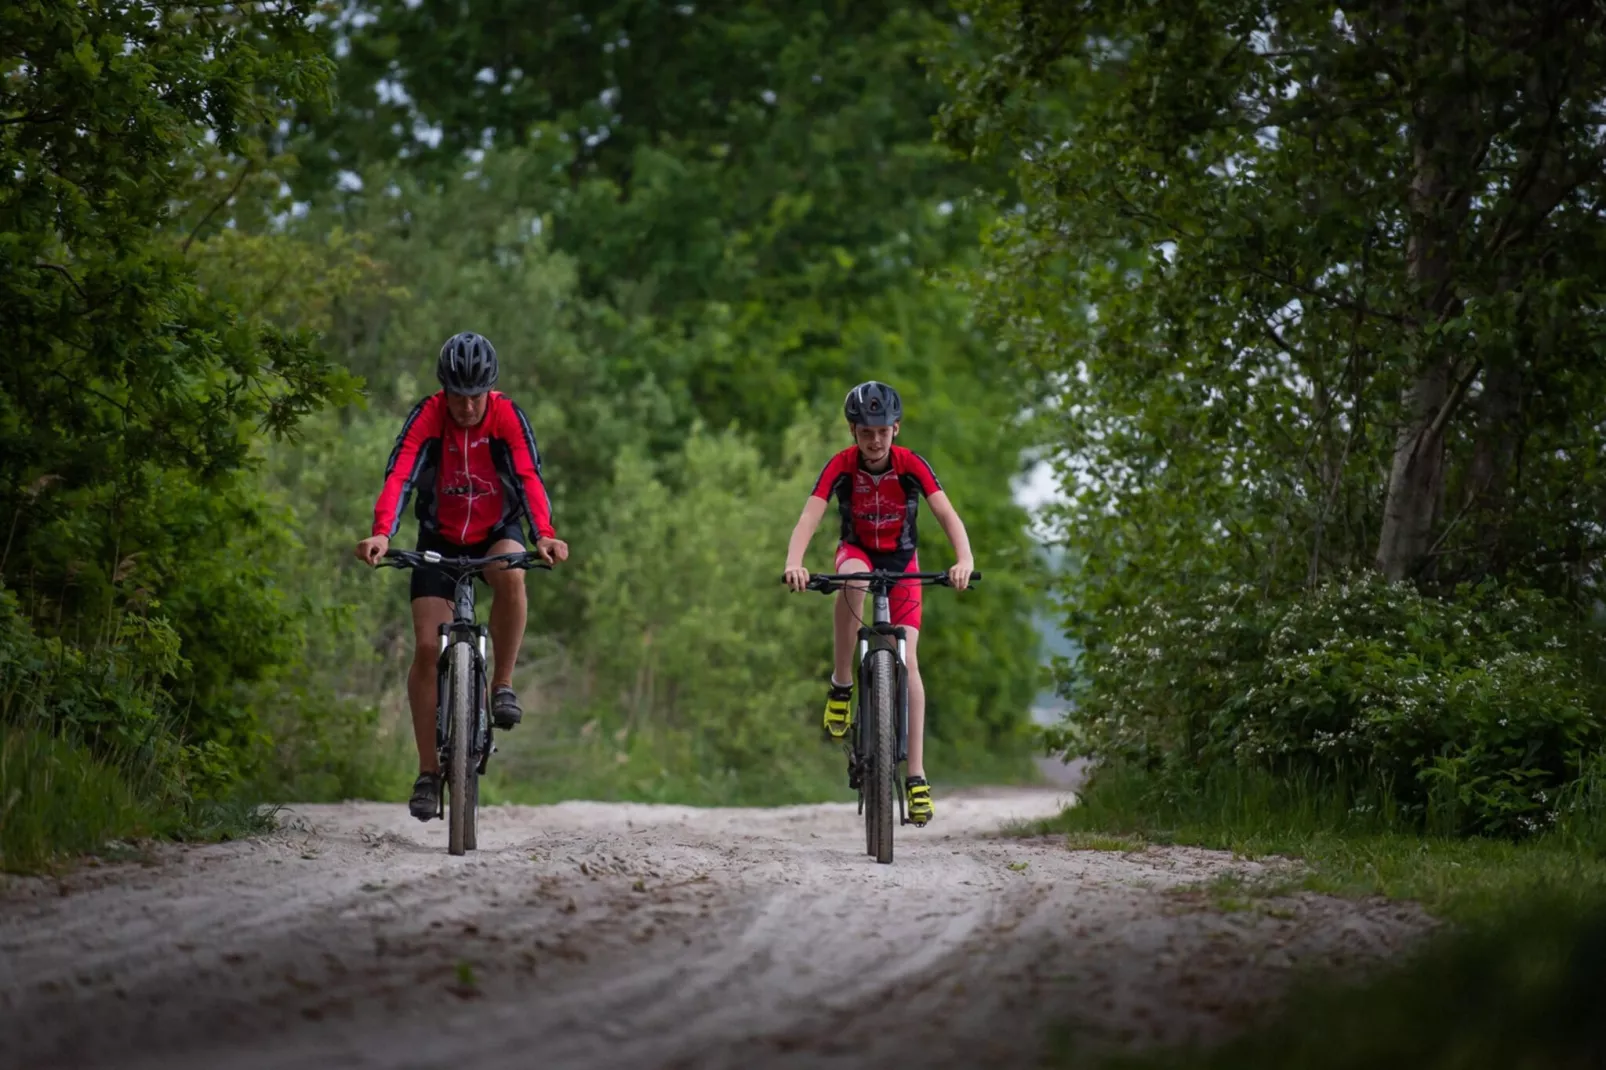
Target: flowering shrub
1466 715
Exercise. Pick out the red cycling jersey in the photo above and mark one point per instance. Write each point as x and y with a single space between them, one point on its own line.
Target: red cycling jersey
470 480
878 510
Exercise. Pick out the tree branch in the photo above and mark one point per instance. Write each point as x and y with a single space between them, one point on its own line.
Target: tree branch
30 117
245 172
64 273
1359 309
1458 393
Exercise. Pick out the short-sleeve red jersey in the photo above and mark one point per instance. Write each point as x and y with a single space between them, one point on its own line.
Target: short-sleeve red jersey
470 481
878 510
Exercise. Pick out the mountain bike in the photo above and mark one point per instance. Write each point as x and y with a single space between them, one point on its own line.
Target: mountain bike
464 738
879 739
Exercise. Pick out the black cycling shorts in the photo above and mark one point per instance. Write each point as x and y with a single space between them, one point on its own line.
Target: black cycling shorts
431 582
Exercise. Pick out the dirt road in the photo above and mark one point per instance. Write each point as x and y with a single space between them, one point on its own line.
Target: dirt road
604 935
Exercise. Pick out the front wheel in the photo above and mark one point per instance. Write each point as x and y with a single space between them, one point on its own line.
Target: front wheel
884 755
460 744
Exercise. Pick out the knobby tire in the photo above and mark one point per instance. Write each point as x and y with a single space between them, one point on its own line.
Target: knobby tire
883 766
458 767
471 836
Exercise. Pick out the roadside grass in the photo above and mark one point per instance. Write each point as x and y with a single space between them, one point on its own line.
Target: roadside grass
60 803
56 800
1464 880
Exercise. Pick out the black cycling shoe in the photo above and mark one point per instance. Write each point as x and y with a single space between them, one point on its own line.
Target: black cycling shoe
505 712
426 801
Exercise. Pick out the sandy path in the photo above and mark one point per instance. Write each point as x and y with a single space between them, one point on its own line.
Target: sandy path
606 935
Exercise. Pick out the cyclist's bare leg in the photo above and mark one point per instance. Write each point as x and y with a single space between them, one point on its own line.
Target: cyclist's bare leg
917 704
845 631
509 610
428 616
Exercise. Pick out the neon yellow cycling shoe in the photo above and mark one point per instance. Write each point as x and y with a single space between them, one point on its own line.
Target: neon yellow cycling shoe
918 793
838 711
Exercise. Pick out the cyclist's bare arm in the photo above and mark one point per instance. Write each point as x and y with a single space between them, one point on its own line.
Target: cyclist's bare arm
797 577
954 528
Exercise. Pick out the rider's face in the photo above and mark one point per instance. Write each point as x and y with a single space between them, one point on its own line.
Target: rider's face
467 409
875 443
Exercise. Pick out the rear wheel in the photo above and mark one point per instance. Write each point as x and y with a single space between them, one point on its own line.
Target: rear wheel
459 769
883 764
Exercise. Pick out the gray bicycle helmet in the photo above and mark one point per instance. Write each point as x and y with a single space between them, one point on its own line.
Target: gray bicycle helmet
467 364
873 404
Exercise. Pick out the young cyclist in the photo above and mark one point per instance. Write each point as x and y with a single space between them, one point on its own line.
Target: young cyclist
470 453
878 486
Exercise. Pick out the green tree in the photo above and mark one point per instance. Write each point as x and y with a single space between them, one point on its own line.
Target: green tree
1324 284
132 395
1309 292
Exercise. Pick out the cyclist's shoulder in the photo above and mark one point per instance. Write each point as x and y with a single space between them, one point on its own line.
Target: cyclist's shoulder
907 462
426 415
904 459
843 461
506 416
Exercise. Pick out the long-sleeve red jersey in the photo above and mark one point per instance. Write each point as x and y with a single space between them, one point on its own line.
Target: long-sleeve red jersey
470 481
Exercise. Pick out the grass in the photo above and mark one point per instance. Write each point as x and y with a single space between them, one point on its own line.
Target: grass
60 802
1462 879
57 800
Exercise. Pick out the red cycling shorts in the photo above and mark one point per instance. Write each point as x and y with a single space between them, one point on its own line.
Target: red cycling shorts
905 598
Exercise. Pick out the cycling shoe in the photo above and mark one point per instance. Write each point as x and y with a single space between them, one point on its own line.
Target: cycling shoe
426 801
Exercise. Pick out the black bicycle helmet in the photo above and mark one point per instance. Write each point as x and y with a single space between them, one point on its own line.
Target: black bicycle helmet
873 404
467 364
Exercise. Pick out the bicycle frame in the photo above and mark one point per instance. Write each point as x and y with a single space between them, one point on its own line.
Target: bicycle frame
463 628
880 634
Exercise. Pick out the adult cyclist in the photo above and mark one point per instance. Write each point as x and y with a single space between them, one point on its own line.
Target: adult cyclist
469 453
878 486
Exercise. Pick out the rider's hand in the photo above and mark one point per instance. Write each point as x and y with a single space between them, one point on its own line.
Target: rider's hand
551 550
372 549
959 575
797 577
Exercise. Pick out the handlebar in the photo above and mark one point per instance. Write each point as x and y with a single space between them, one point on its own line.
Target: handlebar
827 582
419 558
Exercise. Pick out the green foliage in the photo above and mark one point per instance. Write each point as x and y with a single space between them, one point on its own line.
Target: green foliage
1311 288
1310 292
684 602
719 152
696 677
1461 715
138 594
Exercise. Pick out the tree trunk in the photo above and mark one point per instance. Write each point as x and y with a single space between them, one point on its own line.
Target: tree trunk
1438 210
1416 478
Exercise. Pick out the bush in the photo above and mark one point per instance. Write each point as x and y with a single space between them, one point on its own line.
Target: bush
696 675
1467 715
